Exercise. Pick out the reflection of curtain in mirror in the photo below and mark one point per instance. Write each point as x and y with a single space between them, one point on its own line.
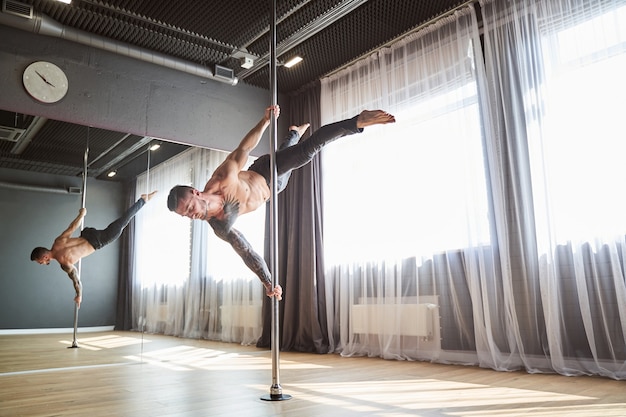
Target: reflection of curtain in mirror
191 283
495 199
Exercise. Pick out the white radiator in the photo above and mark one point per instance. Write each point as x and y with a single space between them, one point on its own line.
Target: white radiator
241 316
157 312
403 319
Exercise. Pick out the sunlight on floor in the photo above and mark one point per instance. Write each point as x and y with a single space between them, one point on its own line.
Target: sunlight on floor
105 342
382 398
184 357
581 410
414 395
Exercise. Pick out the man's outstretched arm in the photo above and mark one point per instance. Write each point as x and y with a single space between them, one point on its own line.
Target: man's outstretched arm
75 223
251 140
72 272
253 260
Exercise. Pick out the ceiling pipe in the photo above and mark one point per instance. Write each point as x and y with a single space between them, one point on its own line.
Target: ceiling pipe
117 162
22 16
28 135
38 188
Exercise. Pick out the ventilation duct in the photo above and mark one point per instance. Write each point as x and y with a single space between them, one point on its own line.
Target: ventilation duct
39 188
23 16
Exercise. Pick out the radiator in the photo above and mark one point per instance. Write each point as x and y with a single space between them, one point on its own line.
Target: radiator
407 319
157 312
241 316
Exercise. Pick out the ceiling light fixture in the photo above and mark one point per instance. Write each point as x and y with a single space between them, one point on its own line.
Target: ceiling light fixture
65 1
155 146
111 174
293 61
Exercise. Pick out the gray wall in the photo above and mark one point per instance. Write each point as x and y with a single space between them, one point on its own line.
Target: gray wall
38 296
111 92
114 92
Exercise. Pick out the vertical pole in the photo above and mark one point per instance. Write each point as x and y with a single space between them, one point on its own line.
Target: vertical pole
148 170
276 393
142 320
82 226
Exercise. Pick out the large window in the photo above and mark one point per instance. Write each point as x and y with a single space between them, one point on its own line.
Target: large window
417 187
582 136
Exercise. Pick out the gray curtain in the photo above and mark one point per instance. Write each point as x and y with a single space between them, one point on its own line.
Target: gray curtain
123 316
300 261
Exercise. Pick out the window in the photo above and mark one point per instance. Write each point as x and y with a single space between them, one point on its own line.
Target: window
582 141
394 192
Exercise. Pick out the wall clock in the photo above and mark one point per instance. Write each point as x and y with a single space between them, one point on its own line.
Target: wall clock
45 82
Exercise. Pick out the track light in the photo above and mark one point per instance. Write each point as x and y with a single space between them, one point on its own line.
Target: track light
293 61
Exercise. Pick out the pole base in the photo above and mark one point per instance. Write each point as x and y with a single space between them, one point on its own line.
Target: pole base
74 346
276 397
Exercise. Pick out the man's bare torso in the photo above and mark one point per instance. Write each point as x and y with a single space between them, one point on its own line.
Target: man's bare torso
248 189
67 251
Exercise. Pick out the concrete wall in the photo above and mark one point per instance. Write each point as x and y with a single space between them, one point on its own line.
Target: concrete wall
114 92
107 91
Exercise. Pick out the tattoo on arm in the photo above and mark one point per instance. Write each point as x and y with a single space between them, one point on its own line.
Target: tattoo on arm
254 261
231 211
72 272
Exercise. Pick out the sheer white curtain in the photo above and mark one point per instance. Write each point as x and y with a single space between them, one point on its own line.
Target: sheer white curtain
192 283
403 202
494 206
557 108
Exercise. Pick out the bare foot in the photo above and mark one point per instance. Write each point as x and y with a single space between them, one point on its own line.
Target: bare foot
147 197
374 117
300 129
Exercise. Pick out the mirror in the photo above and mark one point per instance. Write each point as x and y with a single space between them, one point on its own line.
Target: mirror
38 144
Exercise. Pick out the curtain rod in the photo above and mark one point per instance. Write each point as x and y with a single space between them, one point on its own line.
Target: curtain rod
409 32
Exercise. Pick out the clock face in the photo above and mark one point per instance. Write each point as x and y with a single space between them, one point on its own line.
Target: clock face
45 82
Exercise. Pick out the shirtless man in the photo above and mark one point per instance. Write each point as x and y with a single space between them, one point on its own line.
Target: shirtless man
68 250
231 191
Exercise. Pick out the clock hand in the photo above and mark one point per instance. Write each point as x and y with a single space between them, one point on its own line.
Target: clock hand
44 79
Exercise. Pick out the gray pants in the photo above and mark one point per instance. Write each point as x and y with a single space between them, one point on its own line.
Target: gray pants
290 155
100 238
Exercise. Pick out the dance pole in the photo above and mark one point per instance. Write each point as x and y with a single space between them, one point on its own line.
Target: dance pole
82 225
148 170
276 391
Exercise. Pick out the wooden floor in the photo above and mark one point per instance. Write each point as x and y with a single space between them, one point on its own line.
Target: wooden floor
115 374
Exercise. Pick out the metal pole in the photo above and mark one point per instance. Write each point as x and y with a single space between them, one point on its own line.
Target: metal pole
276 392
148 169
82 226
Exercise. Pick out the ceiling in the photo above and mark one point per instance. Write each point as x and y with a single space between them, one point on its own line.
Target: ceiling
328 34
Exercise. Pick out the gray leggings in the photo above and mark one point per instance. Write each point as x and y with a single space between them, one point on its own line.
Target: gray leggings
100 238
290 155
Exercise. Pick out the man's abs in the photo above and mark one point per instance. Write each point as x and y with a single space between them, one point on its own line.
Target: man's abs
253 191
